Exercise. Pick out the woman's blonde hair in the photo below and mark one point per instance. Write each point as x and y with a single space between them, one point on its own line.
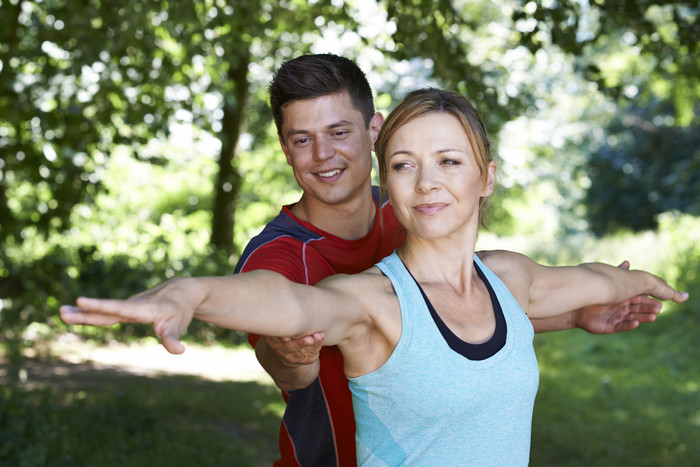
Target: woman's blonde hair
430 100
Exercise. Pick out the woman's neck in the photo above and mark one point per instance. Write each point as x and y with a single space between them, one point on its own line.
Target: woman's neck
445 260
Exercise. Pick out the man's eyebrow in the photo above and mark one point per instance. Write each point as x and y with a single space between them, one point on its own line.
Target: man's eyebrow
332 126
339 124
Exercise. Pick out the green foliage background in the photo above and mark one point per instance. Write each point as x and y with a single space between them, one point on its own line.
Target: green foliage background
136 145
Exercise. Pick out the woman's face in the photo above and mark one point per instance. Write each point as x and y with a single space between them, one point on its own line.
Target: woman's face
433 180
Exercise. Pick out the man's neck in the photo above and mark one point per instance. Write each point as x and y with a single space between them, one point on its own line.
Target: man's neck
350 220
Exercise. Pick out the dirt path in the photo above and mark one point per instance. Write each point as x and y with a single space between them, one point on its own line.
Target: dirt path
70 354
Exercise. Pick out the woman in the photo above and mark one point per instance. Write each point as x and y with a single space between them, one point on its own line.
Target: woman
436 341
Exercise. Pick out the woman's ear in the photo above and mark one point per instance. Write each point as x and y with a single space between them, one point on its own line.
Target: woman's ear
490 182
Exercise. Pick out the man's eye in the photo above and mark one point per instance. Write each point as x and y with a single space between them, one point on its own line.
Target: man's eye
301 140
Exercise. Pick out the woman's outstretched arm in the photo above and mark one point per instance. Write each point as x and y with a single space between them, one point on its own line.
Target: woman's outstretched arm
261 302
544 291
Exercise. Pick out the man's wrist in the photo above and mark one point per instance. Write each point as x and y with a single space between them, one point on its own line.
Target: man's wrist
574 318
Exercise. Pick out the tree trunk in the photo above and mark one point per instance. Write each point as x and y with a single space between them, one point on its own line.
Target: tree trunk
229 180
10 38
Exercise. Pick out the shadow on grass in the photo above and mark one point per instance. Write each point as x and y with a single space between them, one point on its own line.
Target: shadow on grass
77 415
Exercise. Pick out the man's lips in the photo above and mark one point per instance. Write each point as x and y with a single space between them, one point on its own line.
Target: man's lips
431 208
329 174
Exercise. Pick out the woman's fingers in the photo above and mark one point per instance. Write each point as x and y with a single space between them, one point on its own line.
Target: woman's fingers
76 315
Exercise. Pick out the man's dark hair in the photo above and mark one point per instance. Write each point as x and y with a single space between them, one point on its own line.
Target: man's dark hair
312 76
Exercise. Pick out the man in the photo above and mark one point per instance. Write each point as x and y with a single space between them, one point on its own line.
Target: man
324 112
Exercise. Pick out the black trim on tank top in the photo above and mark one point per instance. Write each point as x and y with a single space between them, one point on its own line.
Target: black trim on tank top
467 350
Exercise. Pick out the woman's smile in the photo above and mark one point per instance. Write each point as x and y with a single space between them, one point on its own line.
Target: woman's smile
433 179
430 208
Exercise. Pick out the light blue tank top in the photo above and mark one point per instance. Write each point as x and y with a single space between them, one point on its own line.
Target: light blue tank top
430 406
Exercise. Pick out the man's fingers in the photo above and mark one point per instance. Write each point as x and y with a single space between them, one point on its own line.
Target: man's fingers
642 317
318 337
298 351
292 344
644 304
626 325
315 339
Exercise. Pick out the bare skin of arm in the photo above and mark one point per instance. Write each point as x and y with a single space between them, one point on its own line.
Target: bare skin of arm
263 302
287 308
604 319
367 325
294 363
545 292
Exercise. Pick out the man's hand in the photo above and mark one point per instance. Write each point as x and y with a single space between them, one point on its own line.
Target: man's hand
292 363
625 316
294 352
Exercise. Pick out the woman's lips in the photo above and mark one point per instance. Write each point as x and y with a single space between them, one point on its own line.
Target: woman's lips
430 209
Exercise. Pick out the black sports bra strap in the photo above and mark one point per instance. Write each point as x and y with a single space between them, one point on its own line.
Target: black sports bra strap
472 351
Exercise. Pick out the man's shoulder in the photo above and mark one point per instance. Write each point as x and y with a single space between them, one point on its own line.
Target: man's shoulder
284 226
276 245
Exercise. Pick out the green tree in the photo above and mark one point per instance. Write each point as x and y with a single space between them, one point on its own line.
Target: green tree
79 78
643 56
645 168
633 49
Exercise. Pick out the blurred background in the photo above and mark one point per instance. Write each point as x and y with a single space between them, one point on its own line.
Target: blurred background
136 144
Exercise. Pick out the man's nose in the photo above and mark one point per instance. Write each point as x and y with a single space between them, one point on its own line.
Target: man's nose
323 149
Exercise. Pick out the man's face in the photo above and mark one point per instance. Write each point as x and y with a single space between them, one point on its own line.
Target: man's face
329 147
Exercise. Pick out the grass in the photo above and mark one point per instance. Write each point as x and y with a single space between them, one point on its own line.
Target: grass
618 400
109 418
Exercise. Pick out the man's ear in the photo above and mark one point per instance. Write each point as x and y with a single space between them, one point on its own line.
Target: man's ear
375 124
490 182
285 149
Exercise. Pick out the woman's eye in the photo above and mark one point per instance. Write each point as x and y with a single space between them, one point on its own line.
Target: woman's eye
399 166
450 162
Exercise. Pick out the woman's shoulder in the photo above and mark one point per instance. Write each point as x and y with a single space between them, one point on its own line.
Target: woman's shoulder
369 281
497 260
514 269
